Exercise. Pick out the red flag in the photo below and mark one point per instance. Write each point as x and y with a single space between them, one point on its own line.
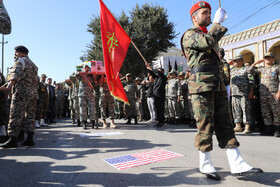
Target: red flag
115 43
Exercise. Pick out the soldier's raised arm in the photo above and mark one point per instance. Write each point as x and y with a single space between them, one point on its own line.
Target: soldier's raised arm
5 21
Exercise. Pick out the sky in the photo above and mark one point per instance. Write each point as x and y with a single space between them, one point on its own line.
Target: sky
55 31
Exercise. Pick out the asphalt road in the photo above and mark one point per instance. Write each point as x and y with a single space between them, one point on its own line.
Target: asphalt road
61 157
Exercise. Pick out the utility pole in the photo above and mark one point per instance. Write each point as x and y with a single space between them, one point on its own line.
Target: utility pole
2 69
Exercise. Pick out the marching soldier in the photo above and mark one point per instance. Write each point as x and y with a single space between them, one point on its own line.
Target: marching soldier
24 80
86 97
208 92
269 93
242 91
75 113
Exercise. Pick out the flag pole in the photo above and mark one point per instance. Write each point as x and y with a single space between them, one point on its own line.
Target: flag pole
139 52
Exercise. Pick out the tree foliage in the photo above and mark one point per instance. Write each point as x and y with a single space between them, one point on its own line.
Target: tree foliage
149 29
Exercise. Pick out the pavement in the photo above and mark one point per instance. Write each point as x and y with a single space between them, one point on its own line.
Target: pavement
62 157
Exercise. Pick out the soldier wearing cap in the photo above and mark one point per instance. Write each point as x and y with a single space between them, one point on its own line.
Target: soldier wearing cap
132 94
269 93
24 81
242 91
43 103
5 21
208 92
173 94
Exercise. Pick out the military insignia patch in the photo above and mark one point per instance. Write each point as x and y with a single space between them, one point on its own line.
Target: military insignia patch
201 4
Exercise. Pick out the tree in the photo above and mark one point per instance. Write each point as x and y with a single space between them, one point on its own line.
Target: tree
149 29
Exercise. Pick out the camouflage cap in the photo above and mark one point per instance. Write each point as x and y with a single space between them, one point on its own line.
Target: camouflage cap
173 71
138 79
44 75
128 74
269 55
239 57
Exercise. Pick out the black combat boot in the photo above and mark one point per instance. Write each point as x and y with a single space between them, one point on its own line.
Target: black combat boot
268 131
128 121
12 142
85 124
29 140
73 121
79 123
277 131
20 136
94 125
135 121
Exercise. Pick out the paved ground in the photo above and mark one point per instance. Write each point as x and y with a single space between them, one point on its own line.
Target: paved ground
61 157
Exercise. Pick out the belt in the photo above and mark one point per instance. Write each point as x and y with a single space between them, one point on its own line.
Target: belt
207 68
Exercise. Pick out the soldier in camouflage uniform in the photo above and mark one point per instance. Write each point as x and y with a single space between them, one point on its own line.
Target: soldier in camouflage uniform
86 97
167 118
59 94
43 103
106 103
5 21
139 103
269 93
74 96
132 94
24 80
208 92
174 91
242 91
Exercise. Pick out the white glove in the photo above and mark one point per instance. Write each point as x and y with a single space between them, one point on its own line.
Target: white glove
220 16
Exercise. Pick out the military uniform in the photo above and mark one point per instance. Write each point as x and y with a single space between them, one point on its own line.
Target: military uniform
173 92
59 94
5 21
43 102
139 102
240 83
23 103
268 87
207 88
131 91
86 97
185 104
107 102
75 98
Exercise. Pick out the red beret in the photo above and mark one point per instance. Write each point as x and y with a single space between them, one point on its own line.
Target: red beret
199 5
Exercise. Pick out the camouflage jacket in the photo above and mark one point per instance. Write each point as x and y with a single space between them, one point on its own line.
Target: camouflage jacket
269 79
84 87
173 88
202 49
241 81
25 73
104 90
75 85
43 91
5 21
185 89
130 89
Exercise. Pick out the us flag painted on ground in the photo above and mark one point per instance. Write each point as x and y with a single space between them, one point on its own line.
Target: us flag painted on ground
138 159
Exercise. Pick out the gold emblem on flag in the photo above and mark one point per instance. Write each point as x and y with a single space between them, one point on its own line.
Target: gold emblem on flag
112 41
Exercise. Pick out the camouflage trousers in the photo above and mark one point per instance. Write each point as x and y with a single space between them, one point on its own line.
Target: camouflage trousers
42 108
22 114
87 106
211 114
139 109
166 110
173 107
241 109
71 108
119 109
76 106
107 104
186 108
270 110
97 106
130 110
58 108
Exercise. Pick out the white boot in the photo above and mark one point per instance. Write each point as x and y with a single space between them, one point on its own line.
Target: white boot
43 123
37 124
236 162
205 163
